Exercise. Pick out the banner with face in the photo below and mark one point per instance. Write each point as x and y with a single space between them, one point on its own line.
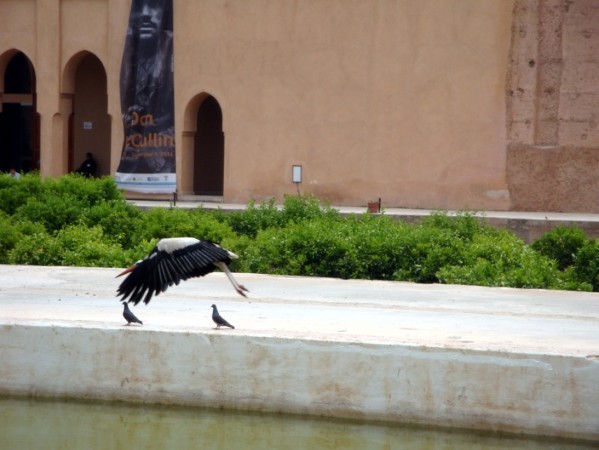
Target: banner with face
147 100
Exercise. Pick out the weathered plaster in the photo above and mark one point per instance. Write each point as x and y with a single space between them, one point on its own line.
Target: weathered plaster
552 111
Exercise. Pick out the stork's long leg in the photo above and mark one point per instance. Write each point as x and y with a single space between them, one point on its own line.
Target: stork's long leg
241 290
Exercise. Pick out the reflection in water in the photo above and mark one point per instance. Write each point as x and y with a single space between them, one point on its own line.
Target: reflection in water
32 424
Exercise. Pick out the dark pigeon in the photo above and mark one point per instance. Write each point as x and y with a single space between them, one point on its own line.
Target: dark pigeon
129 316
218 319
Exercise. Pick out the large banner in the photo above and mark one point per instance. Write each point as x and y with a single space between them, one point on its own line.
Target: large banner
147 100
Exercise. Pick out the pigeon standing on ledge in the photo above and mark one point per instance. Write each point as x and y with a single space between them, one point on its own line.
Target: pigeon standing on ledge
129 316
218 319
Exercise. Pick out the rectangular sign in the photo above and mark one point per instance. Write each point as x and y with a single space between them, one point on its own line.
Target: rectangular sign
147 100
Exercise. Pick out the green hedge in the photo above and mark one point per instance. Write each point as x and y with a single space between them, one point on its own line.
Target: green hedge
87 222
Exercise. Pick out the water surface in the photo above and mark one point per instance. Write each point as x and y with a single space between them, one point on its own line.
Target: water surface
49 424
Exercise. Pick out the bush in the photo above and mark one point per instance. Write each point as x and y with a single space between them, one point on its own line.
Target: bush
463 226
74 245
304 208
36 249
255 218
87 192
118 219
501 259
12 232
295 209
561 244
83 246
367 247
53 212
585 269
87 222
298 249
15 193
9 236
160 223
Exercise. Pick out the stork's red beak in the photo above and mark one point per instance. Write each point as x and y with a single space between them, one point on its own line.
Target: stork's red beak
126 271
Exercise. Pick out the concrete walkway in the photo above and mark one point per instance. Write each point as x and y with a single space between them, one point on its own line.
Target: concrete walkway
527 225
461 317
509 359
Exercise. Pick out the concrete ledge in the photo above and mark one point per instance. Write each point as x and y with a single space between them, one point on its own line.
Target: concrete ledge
493 359
528 226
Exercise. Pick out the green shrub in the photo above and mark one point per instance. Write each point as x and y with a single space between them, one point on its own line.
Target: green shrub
586 265
12 231
501 259
304 208
74 245
9 236
87 222
298 249
36 249
255 218
266 215
463 226
88 246
375 246
160 223
118 219
53 211
15 193
561 244
367 247
438 241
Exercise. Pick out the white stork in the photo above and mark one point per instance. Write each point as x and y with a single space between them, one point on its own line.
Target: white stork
173 260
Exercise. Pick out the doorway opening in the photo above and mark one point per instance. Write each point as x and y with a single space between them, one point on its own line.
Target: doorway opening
89 123
19 121
209 149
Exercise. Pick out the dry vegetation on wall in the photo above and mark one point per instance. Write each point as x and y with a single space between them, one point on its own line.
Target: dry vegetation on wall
87 222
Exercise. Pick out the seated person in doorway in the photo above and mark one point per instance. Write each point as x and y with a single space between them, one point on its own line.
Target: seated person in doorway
89 166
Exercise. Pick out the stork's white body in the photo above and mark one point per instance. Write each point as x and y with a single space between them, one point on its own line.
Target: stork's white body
169 245
173 260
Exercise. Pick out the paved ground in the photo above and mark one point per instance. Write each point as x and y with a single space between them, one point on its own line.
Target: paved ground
524 215
510 320
529 226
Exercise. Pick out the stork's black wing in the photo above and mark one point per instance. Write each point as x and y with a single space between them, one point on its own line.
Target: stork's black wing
163 268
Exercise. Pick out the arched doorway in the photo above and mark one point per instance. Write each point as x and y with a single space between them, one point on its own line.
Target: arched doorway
89 124
19 122
209 149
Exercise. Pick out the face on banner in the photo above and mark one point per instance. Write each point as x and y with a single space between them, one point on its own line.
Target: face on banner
149 21
147 99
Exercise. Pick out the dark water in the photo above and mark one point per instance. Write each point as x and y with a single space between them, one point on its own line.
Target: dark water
43 424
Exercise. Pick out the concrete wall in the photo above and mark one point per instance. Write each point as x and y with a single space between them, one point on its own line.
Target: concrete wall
449 387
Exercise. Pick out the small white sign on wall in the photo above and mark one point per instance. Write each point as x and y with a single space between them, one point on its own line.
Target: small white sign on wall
296 174
88 125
